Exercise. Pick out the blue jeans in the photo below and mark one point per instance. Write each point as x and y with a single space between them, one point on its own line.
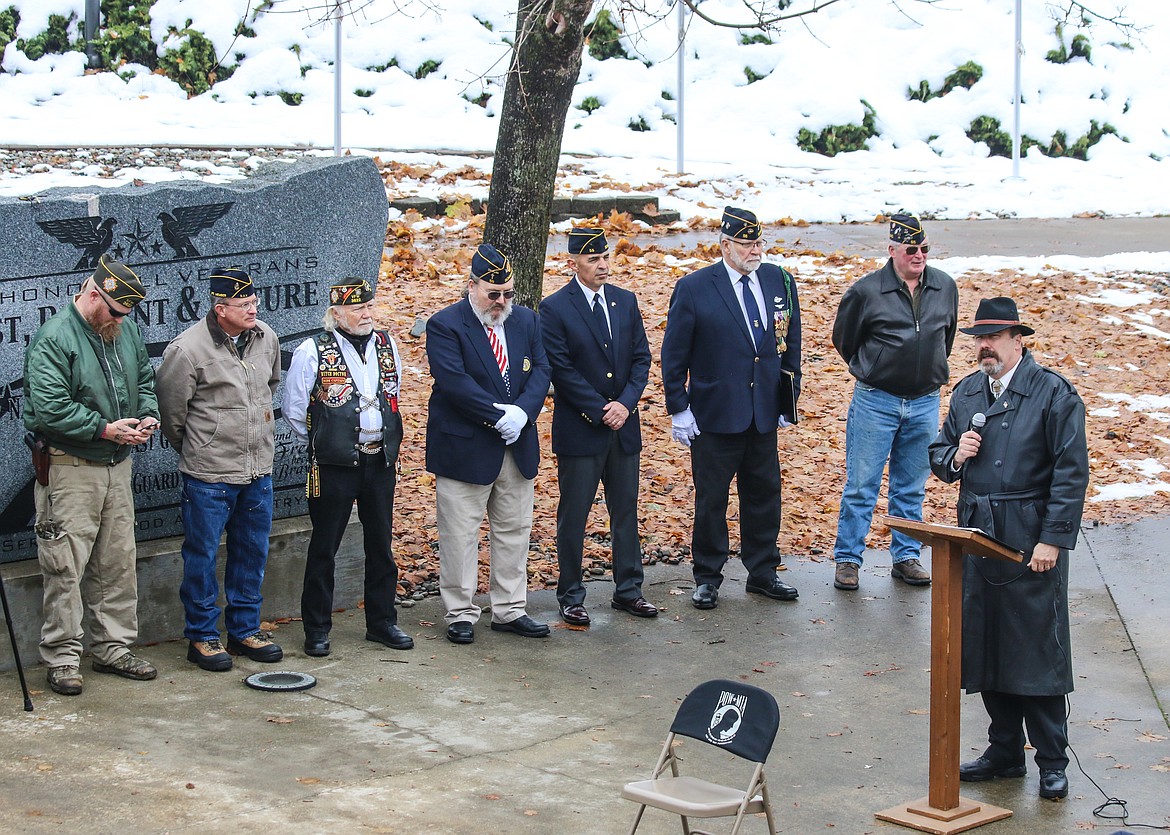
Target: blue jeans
883 427
245 510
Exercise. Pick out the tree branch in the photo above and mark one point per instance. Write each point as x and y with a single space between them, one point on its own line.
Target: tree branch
1120 21
763 20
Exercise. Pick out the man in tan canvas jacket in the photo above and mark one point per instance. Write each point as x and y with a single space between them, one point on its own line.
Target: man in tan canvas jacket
215 388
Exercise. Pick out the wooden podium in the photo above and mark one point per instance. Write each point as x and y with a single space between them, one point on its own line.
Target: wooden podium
943 811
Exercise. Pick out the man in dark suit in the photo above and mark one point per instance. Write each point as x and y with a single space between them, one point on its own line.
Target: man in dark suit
490 381
600 362
731 373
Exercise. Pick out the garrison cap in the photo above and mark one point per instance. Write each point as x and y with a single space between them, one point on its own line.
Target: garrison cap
740 224
119 282
905 228
350 291
587 240
231 283
490 265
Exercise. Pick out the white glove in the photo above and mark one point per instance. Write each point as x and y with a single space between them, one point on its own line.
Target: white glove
783 422
683 427
512 423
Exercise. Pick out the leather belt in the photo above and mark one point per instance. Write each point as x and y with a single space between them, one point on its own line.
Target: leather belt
68 459
372 448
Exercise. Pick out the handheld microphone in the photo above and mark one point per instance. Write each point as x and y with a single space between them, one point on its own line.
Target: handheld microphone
977 422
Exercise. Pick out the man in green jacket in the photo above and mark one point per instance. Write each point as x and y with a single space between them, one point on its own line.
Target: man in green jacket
89 394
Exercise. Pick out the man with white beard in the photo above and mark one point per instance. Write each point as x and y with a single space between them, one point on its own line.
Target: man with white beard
490 381
341 397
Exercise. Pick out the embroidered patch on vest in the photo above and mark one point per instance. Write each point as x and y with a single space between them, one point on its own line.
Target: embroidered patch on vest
336 389
389 371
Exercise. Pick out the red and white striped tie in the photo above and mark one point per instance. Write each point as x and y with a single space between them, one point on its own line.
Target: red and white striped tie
501 357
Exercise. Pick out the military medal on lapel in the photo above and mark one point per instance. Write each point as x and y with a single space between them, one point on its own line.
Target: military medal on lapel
527 365
780 320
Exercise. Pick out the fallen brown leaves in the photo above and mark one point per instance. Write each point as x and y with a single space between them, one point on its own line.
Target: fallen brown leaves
1092 344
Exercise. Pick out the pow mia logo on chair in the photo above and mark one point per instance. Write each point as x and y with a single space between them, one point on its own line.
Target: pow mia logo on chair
726 719
715 713
94 236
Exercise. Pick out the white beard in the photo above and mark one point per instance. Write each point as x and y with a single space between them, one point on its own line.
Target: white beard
490 320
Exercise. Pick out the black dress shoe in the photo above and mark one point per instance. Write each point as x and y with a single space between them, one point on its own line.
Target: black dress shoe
1053 783
639 607
773 587
317 644
461 632
392 637
575 615
524 626
982 769
706 596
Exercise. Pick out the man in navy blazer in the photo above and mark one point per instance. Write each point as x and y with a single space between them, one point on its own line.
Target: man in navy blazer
600 362
731 373
490 381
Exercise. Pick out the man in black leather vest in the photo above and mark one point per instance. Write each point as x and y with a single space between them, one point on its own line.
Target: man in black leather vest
341 396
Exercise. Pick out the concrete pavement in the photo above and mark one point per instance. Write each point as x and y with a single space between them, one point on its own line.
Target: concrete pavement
537 736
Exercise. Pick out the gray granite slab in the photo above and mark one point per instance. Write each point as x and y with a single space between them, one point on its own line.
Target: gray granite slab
295 227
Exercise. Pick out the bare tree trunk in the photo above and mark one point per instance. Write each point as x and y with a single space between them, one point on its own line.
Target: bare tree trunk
546 61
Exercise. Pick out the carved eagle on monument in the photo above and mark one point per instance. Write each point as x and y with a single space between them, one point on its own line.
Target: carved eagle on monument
185 222
92 235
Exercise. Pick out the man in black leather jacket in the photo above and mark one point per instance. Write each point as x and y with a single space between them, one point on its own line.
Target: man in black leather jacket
895 327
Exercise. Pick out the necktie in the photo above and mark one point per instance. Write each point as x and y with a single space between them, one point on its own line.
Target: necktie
753 311
599 315
501 357
996 389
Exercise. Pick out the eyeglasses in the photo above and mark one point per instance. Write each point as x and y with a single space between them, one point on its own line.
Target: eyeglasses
913 250
495 294
750 245
252 305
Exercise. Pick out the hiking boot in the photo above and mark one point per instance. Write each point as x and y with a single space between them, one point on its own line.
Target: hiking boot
256 646
910 572
846 576
65 680
209 655
128 666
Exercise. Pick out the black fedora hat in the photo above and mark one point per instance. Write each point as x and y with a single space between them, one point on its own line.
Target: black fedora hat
995 315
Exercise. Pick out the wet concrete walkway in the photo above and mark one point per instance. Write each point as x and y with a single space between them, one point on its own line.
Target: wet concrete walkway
537 736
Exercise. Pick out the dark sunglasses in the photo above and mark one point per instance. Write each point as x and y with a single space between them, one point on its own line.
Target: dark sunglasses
117 314
913 250
495 294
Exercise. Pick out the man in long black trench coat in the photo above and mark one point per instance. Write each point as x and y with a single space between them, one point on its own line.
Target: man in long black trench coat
1023 481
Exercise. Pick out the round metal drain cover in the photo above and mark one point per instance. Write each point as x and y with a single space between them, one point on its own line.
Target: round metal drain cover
283 681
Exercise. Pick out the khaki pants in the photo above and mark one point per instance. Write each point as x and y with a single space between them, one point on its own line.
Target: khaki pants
459 510
85 545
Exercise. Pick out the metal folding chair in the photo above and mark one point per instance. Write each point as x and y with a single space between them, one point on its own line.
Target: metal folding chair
734 717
